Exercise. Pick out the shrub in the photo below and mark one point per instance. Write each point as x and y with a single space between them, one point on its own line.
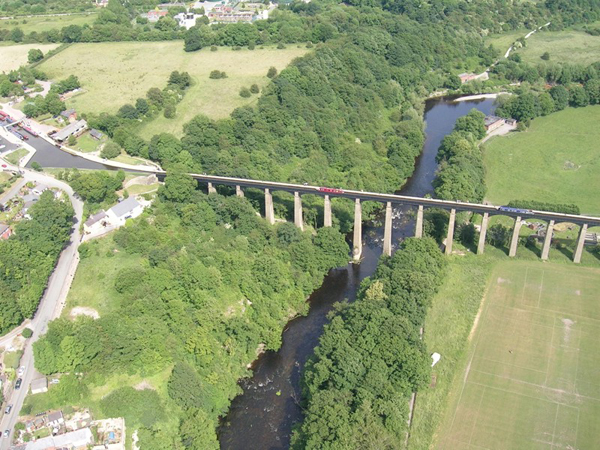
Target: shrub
272 72
236 48
110 150
254 89
36 166
216 74
280 46
169 112
309 45
251 46
72 140
545 56
27 333
213 48
245 92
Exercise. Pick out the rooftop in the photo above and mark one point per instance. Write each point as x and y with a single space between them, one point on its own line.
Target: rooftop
39 383
491 119
68 112
70 129
125 207
77 439
95 219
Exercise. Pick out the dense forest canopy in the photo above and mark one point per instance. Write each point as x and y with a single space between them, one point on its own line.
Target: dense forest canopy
28 257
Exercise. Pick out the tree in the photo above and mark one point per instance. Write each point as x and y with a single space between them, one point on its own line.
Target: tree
170 111
34 55
72 140
560 95
245 92
141 104
545 56
578 96
178 187
155 96
592 88
254 89
272 72
498 235
27 333
16 35
128 112
185 386
110 150
546 103
473 123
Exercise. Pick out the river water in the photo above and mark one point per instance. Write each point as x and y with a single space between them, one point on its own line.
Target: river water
263 416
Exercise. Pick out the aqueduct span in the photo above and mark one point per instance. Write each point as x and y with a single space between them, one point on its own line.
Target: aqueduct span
420 203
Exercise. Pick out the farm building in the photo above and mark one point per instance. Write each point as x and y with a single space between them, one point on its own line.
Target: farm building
72 129
493 122
96 134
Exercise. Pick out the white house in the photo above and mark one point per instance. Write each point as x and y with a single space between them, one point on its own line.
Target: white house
74 440
127 209
39 385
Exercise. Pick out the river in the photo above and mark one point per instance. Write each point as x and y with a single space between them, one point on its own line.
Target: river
263 416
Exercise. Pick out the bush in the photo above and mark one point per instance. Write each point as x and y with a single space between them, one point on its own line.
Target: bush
216 74
34 55
213 48
236 48
272 72
169 112
27 333
251 46
36 166
110 150
72 140
309 45
254 89
280 46
545 56
245 92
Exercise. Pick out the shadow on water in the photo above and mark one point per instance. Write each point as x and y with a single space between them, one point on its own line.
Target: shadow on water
262 419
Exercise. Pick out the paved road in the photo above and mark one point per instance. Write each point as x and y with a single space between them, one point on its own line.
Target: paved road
51 303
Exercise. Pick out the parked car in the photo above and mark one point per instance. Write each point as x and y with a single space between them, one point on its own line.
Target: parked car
54 381
6 433
8 409
21 371
18 383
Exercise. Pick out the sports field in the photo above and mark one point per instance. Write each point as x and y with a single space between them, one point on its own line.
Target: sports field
14 56
564 46
116 73
532 379
556 160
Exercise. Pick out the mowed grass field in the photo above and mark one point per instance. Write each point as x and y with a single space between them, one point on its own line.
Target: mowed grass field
564 46
533 377
116 73
556 160
14 56
40 24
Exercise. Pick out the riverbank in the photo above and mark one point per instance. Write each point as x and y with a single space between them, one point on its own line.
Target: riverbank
468 98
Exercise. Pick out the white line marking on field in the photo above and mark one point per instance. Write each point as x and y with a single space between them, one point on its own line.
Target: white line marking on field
550 352
477 415
541 289
504 363
555 420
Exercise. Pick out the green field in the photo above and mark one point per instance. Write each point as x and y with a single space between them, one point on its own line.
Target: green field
564 46
40 24
556 160
503 41
531 380
14 56
113 74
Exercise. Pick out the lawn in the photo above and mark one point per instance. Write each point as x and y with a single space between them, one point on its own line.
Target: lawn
564 46
14 56
503 41
531 378
93 286
87 144
556 160
116 73
16 156
40 24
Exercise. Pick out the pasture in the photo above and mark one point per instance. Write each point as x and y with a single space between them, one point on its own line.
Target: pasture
556 160
116 73
14 56
40 24
531 379
564 46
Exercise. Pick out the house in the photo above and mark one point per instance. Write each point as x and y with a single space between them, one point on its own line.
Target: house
101 3
69 115
55 419
187 19
96 134
35 424
464 77
95 223
75 440
493 122
127 209
39 385
226 14
73 129
155 15
5 231
39 188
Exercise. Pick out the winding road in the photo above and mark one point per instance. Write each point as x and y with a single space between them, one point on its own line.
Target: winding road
50 305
